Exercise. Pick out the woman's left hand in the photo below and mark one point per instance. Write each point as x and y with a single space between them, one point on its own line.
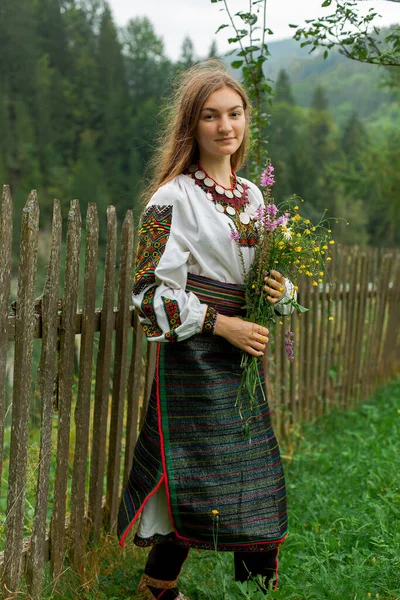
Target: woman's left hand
275 286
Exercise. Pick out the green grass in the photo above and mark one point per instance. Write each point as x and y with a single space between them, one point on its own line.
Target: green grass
343 479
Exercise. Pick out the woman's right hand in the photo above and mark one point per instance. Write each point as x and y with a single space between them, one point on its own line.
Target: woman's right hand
245 335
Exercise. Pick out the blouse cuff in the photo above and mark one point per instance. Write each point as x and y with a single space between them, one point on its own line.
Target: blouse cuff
210 320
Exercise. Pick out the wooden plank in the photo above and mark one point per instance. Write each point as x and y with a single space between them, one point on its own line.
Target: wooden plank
39 546
347 391
278 404
102 387
119 379
293 369
344 324
65 381
307 332
134 389
313 381
22 393
301 415
6 231
384 287
82 410
358 349
391 352
370 309
333 284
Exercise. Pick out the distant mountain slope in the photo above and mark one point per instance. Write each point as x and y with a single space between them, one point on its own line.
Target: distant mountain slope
350 86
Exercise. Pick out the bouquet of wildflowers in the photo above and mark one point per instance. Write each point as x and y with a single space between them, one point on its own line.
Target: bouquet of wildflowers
291 244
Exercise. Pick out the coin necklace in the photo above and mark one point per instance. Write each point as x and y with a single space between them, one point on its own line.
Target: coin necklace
232 201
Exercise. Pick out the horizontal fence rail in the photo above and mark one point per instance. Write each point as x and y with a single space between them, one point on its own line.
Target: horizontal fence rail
75 379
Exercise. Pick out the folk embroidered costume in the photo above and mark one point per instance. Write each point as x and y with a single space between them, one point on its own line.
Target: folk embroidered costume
196 481
192 457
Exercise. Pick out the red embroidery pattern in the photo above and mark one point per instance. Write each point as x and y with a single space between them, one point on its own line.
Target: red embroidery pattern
153 237
172 311
147 311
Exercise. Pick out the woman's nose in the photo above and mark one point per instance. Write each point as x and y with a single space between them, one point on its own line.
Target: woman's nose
224 124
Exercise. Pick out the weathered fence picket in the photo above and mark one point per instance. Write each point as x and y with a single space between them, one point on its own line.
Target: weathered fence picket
24 328
102 384
6 232
47 368
64 392
337 362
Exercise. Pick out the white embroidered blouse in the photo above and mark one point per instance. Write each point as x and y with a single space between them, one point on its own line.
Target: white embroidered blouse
183 233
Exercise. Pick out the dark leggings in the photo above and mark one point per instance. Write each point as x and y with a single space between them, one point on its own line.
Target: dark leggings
165 562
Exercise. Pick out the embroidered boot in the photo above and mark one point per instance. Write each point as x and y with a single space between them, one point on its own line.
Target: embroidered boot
152 589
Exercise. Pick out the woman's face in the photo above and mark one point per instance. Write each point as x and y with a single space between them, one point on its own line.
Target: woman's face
222 124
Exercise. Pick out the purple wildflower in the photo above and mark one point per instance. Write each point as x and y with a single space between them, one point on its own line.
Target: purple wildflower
267 177
289 345
260 212
234 235
272 209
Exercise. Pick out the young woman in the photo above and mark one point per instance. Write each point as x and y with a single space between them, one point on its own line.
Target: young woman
196 480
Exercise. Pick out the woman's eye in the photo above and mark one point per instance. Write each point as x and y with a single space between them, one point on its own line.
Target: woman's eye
209 117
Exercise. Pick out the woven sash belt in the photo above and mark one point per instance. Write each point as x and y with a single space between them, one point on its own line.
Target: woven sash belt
226 298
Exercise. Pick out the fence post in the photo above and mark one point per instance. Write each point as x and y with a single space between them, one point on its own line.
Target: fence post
47 366
6 231
24 331
65 380
119 380
82 410
102 387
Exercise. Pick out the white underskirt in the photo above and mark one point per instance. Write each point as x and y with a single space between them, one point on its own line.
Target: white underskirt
155 517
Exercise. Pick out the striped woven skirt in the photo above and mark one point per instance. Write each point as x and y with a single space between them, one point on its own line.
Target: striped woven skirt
225 488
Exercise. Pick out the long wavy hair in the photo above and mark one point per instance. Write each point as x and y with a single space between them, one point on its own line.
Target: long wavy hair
177 147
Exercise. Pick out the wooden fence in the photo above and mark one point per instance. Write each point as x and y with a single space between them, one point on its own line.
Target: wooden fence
92 407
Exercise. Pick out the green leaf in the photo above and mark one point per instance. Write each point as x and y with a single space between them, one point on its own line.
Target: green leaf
327 3
326 54
236 64
222 27
293 26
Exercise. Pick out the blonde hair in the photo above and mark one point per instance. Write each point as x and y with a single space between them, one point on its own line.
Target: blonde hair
177 147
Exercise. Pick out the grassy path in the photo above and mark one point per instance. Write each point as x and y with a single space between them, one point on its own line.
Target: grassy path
343 478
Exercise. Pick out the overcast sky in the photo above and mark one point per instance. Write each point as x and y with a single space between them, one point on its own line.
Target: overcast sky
175 19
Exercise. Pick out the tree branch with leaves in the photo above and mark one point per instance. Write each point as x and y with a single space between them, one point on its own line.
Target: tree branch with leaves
355 35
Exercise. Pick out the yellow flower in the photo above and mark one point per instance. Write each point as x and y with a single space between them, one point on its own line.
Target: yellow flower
313 228
321 273
292 293
308 273
315 283
329 258
253 287
325 247
296 208
215 511
298 249
332 242
330 319
307 232
320 280
322 253
296 262
317 262
315 249
307 221
297 218
296 287
302 200
280 322
329 230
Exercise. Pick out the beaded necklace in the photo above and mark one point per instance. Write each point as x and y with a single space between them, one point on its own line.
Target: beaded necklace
231 201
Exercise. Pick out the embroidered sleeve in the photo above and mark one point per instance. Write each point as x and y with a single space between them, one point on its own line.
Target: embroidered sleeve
167 312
